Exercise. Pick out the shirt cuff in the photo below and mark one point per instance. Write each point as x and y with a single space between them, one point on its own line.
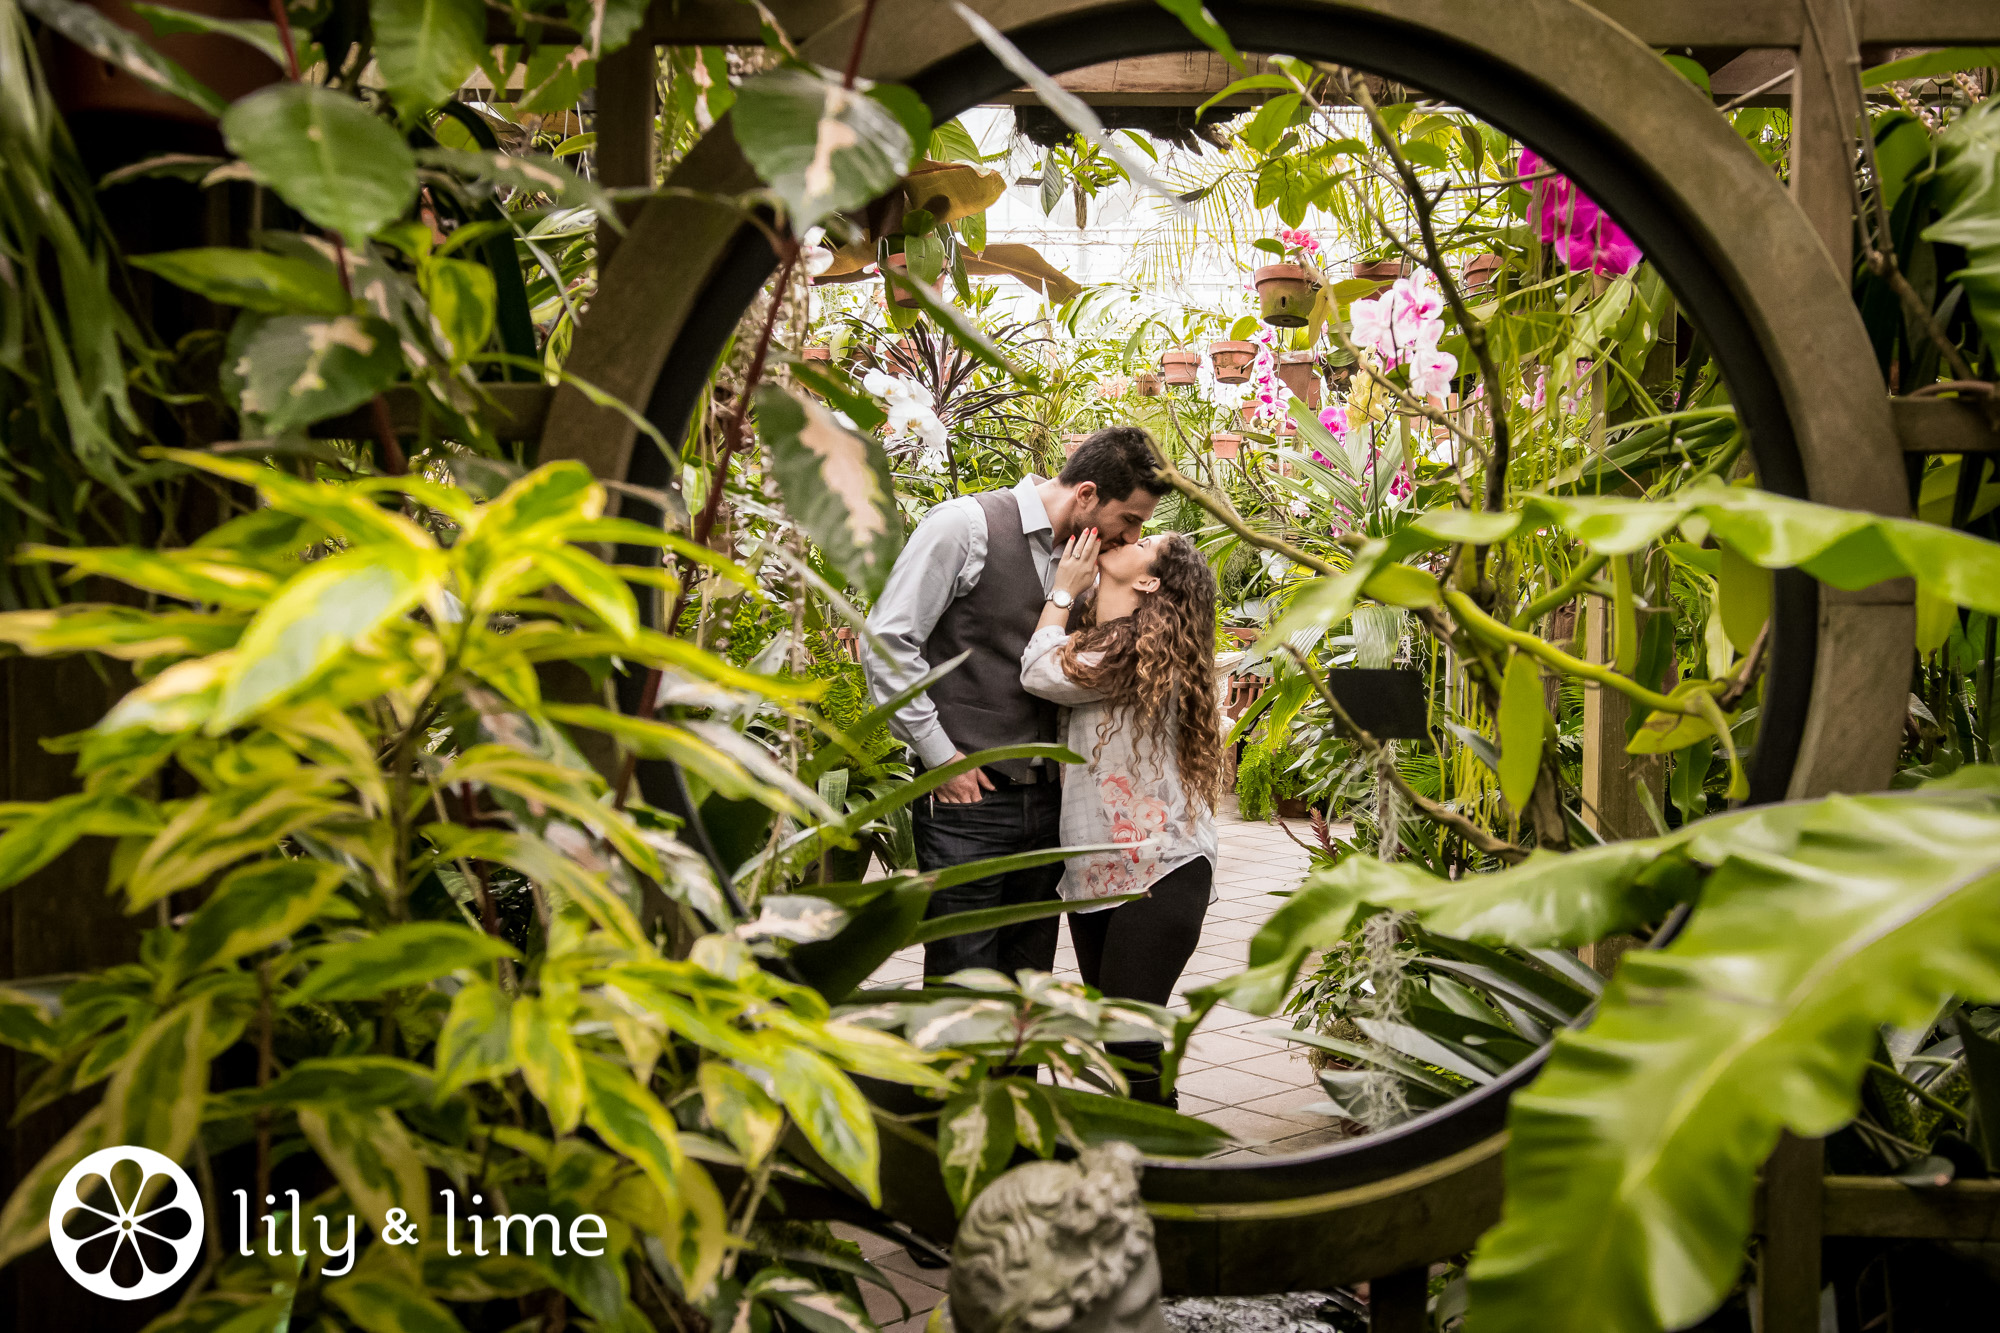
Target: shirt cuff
934 748
1043 639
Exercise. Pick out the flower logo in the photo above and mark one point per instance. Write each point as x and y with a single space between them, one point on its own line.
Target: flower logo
126 1223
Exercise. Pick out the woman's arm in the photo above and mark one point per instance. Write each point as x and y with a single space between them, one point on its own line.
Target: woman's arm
1042 672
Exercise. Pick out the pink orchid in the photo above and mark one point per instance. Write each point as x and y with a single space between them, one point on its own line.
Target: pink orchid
1431 373
1334 418
1583 234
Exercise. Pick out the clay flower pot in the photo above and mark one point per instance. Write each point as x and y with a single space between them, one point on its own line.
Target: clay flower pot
1247 414
901 297
1383 270
1179 365
1147 383
1072 442
1225 445
1232 360
819 352
1286 293
1479 272
1296 370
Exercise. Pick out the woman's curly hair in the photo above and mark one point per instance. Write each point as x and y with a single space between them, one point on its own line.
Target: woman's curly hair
1157 668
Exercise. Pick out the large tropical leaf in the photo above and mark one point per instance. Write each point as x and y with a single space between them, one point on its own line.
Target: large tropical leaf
822 148
836 483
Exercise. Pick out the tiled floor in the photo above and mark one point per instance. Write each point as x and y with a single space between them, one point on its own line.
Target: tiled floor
1254 1085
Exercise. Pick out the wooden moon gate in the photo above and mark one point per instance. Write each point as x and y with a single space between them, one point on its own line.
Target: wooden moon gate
1751 275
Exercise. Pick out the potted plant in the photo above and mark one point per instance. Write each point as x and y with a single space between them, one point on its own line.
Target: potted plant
1381 270
1285 289
1225 444
1179 365
901 295
1232 359
1147 383
819 352
1479 272
1296 370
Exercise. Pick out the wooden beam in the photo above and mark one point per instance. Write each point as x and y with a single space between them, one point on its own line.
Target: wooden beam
1788 1267
628 111
1942 426
1826 106
1881 1206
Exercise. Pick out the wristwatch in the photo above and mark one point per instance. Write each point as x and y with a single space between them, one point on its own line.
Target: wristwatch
1061 598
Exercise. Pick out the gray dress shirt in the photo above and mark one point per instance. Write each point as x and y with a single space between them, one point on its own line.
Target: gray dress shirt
940 563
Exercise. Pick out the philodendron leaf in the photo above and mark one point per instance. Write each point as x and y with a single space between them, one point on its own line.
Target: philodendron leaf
975 1133
835 482
289 371
1969 184
822 148
266 283
426 48
1633 1158
131 54
1523 720
326 155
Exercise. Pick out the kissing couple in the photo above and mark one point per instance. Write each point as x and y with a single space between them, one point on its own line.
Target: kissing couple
1077 626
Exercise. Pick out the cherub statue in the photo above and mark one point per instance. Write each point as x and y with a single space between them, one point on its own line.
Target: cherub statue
1059 1246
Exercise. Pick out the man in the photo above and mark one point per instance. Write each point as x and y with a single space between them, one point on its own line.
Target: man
973 578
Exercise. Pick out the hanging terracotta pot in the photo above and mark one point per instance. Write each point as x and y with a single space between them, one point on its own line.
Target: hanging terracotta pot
1296 370
1225 445
819 352
1179 365
1383 270
1248 414
1232 359
1286 293
1073 442
1479 272
902 296
1147 383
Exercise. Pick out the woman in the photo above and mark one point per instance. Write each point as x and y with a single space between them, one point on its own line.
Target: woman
1138 678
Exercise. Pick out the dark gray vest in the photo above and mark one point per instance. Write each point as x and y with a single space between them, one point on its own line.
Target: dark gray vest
982 704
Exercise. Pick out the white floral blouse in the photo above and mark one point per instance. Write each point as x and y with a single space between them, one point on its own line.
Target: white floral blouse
1123 793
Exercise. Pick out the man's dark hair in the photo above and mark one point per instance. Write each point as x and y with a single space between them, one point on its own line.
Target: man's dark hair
1118 459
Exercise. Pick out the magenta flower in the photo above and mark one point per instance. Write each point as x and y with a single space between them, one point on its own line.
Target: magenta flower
1335 420
1583 234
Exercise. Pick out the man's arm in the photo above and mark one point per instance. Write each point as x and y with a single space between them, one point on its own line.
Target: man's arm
924 582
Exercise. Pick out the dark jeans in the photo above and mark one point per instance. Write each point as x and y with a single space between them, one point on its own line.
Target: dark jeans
1136 951
1006 820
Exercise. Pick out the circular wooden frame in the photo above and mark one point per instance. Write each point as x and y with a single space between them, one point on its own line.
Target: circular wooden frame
1751 276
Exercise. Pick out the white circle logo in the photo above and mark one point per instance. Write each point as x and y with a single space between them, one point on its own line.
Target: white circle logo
126 1223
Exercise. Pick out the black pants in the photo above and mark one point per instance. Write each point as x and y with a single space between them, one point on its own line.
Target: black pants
1137 950
1010 818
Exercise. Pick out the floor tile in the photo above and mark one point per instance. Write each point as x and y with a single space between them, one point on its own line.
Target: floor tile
1232 1087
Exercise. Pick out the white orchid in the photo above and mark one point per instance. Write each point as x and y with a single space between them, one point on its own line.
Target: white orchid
912 410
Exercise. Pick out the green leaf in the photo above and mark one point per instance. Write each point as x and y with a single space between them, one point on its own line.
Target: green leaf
1402 585
822 148
54 828
1691 70
975 1135
254 908
326 155
631 1120
1743 593
266 283
90 29
492 171
155 1099
1632 1161
373 1158
808 1304
741 1109
549 1061
1968 182
463 299
424 49
833 1115
1203 25
1931 65
378 1303
322 613
1524 721
289 371
1664 733
348 1082
1154 1130
24 1222
477 1040
412 953
835 483
261 34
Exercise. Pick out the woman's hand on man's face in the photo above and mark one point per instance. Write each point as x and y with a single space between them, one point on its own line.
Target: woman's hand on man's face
1078 569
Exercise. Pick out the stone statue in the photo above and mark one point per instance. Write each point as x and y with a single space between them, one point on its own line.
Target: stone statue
1059 1246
